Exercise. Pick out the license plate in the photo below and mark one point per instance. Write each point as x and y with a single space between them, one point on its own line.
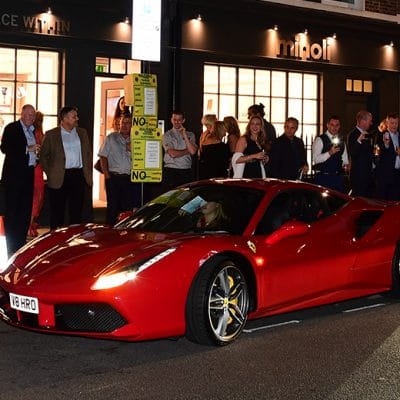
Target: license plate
24 303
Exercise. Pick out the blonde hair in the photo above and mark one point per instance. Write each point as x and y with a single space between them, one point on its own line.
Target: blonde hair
219 130
261 135
208 120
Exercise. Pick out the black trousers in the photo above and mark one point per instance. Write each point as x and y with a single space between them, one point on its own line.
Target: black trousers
69 197
388 187
122 195
332 181
17 216
173 177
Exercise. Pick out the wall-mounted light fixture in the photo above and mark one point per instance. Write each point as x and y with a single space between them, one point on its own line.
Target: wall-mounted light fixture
199 17
305 31
391 44
126 20
49 11
276 27
333 35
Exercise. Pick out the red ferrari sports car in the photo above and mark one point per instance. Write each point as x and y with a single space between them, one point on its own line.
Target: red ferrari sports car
202 259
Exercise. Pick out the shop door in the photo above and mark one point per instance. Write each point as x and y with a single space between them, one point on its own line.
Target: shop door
111 91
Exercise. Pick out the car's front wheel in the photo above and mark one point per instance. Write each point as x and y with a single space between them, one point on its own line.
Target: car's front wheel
218 304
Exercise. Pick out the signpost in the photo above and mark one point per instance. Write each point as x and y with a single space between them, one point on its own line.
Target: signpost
146 146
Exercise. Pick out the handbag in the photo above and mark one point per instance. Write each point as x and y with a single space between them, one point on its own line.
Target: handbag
97 166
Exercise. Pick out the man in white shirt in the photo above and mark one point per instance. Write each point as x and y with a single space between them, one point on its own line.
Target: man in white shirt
66 158
179 146
330 157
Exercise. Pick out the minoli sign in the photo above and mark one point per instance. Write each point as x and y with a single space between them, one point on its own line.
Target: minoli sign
303 51
43 23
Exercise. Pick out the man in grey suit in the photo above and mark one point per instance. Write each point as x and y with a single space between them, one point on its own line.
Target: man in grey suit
66 158
19 146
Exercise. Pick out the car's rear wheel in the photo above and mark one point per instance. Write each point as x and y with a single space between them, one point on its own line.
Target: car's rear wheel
218 304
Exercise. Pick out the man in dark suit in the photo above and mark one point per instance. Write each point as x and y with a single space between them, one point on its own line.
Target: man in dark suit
66 158
288 155
388 168
360 146
19 146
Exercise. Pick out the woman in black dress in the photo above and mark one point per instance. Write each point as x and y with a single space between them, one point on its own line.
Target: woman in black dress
250 150
214 156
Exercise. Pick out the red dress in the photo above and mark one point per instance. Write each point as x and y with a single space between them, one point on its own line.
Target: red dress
38 182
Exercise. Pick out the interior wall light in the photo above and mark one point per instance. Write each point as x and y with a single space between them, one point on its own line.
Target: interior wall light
199 17
126 20
275 27
49 10
333 35
305 31
391 44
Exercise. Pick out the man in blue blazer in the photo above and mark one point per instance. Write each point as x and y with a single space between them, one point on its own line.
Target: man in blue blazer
19 146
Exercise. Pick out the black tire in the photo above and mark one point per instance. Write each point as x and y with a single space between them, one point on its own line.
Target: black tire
218 304
395 292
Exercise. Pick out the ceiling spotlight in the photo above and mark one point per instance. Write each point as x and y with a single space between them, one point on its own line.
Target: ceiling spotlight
275 27
49 10
199 17
126 20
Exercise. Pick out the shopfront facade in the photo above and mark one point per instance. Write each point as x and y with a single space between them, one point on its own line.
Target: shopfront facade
51 57
298 62
216 57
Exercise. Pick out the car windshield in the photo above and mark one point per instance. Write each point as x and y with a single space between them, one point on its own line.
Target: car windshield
198 209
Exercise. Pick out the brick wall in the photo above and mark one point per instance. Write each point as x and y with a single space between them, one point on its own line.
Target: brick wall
390 7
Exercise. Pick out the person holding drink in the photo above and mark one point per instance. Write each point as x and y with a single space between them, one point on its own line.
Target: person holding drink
361 153
330 156
250 158
20 148
388 166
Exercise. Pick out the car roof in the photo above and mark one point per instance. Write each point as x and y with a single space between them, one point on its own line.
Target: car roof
267 184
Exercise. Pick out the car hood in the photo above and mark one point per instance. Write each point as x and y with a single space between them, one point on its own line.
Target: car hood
82 253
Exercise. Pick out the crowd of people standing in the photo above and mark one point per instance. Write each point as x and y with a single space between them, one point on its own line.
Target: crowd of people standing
370 159
63 153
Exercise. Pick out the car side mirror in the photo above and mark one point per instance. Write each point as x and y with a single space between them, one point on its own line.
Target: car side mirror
288 229
125 214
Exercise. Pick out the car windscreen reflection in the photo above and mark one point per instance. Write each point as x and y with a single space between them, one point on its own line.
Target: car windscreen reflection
205 209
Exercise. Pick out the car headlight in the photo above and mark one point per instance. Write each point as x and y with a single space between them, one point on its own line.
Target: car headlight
5 264
128 273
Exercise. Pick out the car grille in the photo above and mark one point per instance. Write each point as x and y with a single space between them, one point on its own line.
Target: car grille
89 317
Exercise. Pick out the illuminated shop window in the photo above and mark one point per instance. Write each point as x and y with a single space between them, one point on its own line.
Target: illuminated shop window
367 86
29 77
359 86
231 90
116 66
